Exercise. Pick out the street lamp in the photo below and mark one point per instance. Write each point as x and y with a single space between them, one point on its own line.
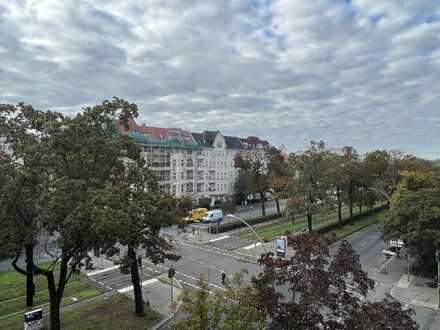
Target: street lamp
251 228
382 192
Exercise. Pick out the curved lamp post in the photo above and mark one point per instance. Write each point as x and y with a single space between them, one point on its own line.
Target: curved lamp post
382 192
251 228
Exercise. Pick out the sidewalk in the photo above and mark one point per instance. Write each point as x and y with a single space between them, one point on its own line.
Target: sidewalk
156 291
416 292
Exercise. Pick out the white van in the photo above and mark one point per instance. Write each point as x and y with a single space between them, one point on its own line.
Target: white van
213 216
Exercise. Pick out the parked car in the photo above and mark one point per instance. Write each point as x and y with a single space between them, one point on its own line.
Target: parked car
391 251
394 249
213 216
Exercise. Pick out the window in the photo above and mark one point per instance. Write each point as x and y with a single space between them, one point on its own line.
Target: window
174 162
181 175
182 188
174 190
181 162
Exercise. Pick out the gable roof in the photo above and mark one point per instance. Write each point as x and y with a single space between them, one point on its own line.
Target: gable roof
206 138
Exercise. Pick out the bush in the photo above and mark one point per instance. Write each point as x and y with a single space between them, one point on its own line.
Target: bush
238 224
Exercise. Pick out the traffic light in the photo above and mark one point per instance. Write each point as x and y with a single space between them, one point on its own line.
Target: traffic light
223 278
171 272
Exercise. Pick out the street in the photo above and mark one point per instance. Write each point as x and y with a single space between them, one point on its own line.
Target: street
209 260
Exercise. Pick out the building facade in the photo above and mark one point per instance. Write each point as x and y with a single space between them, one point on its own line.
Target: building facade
3 145
196 165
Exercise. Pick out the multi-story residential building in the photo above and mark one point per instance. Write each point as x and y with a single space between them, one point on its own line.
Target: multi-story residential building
3 144
197 165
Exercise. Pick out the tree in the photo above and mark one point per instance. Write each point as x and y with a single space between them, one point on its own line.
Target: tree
231 309
254 165
131 213
278 173
227 204
336 180
241 185
21 185
81 155
19 194
414 216
320 291
310 169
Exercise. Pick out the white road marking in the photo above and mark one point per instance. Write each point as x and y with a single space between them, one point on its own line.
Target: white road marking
129 288
219 251
252 246
105 270
385 263
219 239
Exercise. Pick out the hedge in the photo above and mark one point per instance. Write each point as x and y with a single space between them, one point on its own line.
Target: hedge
239 224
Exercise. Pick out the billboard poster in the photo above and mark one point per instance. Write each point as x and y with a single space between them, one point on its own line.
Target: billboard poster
281 246
33 320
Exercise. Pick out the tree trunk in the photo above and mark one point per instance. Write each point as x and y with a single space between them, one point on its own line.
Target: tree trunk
338 195
30 288
293 219
309 222
263 205
360 208
350 202
277 202
54 302
136 281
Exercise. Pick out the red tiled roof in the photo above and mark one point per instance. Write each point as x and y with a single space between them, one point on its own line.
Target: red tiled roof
254 141
154 132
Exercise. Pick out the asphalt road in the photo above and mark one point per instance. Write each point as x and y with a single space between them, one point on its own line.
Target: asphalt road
210 260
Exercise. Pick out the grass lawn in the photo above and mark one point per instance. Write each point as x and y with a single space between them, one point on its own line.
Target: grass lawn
13 291
272 231
346 230
106 313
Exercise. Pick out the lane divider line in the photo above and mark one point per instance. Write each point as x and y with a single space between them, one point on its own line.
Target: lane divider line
145 283
219 238
100 271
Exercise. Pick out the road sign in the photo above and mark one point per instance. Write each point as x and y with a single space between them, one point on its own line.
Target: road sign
171 272
223 278
281 246
33 320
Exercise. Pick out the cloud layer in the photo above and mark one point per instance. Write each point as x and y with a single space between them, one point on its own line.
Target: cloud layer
360 72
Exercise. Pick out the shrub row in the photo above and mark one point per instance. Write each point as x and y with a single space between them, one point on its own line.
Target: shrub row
238 224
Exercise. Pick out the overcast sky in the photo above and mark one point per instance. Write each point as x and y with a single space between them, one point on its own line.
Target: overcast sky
362 72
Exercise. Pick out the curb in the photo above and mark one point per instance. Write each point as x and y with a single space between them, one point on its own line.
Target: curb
411 303
160 323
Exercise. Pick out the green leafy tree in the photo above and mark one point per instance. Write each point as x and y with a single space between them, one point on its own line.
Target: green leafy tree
81 155
278 173
310 169
131 212
241 187
414 216
221 310
21 184
257 180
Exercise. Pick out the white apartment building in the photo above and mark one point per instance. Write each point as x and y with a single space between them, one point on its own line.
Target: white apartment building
3 144
197 165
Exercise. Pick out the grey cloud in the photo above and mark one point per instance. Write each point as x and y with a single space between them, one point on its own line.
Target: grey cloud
363 72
